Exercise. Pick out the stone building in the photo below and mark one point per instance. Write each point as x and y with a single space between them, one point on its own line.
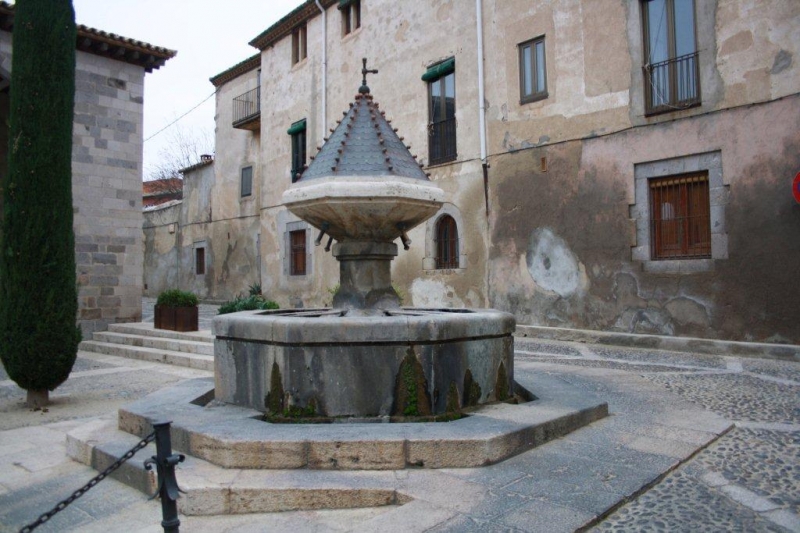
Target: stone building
617 165
106 166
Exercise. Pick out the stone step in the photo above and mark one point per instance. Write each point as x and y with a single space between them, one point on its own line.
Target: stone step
146 329
189 360
159 343
212 490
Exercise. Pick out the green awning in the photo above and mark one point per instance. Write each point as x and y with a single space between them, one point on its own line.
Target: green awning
297 127
345 3
440 69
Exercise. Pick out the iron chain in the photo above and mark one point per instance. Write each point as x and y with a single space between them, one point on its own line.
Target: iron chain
94 481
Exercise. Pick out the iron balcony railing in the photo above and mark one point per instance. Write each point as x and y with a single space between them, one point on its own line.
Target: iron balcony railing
672 84
247 106
442 141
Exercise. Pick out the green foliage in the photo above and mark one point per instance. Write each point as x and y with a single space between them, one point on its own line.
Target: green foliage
254 289
177 298
274 401
247 303
411 408
411 396
38 290
295 411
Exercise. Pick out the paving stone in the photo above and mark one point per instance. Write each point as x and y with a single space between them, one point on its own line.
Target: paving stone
737 396
765 462
544 517
779 369
660 356
683 503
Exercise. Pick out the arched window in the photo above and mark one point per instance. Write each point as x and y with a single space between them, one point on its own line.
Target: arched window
446 243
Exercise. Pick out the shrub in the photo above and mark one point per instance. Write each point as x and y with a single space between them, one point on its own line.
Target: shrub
247 303
177 298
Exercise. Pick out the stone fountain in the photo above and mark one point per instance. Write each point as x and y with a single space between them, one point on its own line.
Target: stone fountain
367 356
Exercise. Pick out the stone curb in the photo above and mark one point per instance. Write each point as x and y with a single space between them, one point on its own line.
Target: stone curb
233 437
787 352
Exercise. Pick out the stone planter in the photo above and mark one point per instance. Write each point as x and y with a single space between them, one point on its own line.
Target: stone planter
176 318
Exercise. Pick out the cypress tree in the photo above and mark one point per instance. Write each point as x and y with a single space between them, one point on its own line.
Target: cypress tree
38 293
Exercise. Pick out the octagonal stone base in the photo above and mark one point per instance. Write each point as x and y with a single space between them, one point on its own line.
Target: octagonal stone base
351 365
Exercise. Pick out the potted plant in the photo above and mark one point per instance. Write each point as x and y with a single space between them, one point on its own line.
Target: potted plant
176 310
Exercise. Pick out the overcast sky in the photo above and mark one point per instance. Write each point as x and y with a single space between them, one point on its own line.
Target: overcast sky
210 36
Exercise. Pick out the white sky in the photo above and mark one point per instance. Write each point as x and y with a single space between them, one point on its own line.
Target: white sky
210 36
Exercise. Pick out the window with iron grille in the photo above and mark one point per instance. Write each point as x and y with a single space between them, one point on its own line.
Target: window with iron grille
297 261
351 15
441 80
671 70
680 224
446 243
200 261
532 71
299 44
247 181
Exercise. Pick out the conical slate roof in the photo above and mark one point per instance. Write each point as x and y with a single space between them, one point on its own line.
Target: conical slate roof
364 144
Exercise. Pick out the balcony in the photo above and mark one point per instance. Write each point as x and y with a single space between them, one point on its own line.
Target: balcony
247 110
672 84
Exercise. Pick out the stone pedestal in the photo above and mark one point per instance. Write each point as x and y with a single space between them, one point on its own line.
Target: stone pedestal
365 276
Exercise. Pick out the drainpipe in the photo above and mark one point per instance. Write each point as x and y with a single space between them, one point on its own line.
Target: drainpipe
324 70
482 104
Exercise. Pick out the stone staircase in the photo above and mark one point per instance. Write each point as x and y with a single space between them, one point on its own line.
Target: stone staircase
142 341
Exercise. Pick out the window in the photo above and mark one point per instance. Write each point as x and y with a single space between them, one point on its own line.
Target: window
671 70
200 261
298 134
441 80
299 44
532 71
247 181
680 222
446 243
297 253
351 15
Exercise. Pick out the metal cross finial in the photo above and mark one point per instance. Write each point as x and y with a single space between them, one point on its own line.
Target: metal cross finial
364 71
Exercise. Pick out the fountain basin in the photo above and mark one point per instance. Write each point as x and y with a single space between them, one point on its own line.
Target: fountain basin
353 365
364 208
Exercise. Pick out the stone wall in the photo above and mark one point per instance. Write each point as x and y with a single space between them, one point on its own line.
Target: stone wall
106 187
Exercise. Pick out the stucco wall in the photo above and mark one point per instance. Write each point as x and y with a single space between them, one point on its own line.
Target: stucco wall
562 241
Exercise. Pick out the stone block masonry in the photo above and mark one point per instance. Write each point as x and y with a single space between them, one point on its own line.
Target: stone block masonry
107 191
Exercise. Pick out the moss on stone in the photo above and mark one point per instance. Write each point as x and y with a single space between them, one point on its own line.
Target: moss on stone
453 404
411 388
472 390
274 401
501 387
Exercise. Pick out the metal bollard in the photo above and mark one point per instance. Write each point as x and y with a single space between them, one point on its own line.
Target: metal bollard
168 489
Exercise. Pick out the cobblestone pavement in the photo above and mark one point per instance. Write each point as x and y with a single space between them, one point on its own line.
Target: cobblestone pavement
749 479
746 480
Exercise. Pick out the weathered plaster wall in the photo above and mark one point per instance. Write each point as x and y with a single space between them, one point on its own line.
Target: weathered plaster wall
161 260
401 41
562 240
106 187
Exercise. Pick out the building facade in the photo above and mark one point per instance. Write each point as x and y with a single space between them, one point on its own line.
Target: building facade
618 165
106 167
